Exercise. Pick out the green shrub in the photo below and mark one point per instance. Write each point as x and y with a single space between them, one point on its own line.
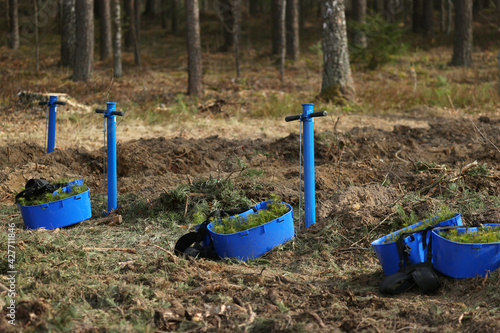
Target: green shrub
375 42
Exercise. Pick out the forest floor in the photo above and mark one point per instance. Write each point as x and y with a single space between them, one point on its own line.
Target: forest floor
405 145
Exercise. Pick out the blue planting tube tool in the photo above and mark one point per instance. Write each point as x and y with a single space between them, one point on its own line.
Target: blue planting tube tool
309 186
110 114
52 108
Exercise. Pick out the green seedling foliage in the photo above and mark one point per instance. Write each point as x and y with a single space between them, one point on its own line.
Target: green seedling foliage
481 236
479 171
383 41
192 203
49 197
233 224
444 214
424 166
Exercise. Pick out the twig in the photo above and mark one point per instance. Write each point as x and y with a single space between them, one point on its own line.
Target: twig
6 217
166 251
318 319
109 220
104 249
427 188
483 135
186 207
463 170
375 227
399 158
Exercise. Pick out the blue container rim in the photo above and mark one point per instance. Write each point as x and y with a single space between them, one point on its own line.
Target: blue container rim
53 202
436 230
210 225
380 241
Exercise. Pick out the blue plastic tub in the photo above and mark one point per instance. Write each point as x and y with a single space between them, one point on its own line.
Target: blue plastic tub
464 260
57 214
252 243
387 253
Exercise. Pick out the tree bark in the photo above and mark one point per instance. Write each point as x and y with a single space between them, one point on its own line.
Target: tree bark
418 16
282 43
236 35
164 14
105 31
13 36
498 13
151 8
428 23
37 42
337 81
195 87
462 43
276 28
359 15
137 31
117 40
174 12
225 11
292 29
84 58
68 38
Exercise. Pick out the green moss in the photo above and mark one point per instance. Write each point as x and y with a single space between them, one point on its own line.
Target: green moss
233 224
49 197
481 236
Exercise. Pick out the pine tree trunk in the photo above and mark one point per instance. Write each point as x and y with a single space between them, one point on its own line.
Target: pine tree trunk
137 32
462 43
282 44
292 29
418 16
442 15
428 23
105 31
13 36
498 12
337 81
236 35
164 14
174 12
195 87
276 29
68 38
359 15
84 55
450 17
117 39
128 8
226 15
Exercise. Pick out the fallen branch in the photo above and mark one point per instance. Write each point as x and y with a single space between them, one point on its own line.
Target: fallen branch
174 258
318 319
104 249
109 220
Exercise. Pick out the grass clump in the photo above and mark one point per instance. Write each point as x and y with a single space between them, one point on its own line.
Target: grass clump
481 236
53 196
233 224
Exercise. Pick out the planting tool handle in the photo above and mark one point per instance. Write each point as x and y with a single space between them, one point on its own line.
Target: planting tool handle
292 118
117 113
100 111
60 103
43 103
318 114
